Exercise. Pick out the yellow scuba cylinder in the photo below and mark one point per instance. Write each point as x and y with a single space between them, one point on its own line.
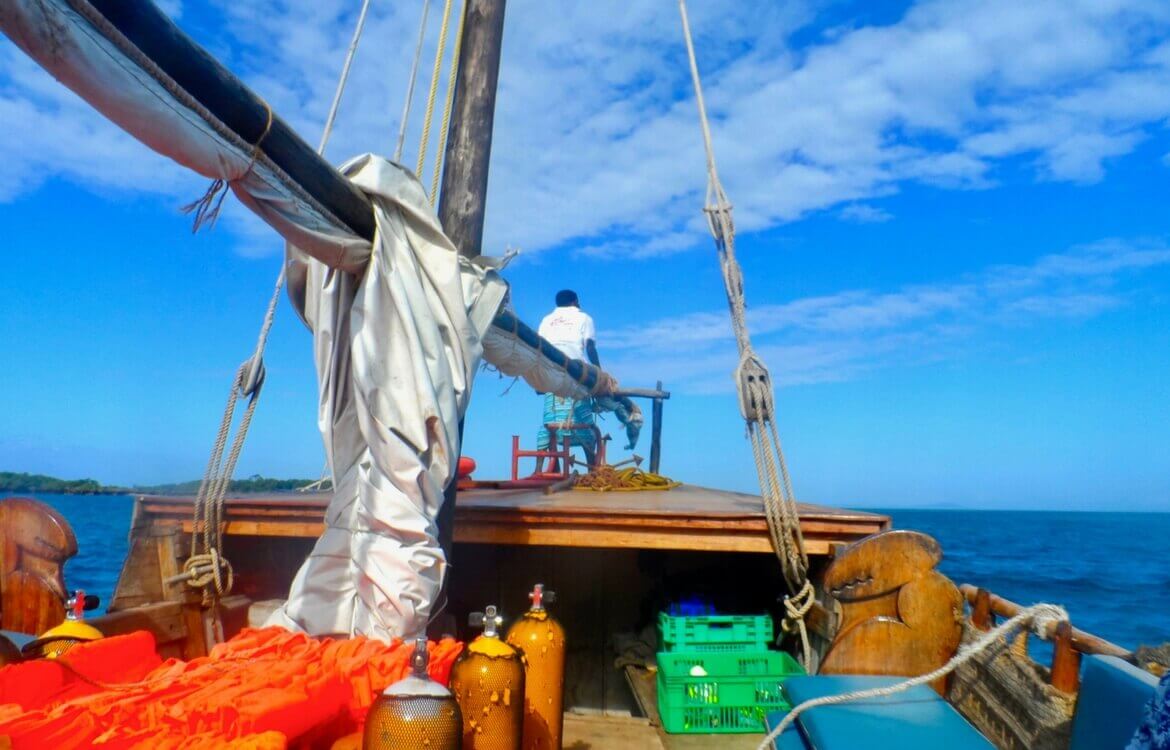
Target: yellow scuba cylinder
542 640
414 712
488 682
57 640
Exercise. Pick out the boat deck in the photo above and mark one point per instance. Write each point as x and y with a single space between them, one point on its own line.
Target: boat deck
685 518
615 559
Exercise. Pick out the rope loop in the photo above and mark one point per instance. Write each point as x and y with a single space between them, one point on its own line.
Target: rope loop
796 606
209 570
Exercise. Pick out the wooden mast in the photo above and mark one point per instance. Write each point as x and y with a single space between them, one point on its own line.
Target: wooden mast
469 138
463 197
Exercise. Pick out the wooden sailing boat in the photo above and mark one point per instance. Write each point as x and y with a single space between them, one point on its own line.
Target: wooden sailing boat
883 609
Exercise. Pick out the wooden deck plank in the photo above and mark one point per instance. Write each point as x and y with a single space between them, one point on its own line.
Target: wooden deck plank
685 518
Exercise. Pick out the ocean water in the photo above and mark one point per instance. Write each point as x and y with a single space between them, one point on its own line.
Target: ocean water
1110 570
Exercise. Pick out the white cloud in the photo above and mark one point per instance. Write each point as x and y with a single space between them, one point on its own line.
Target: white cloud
596 142
838 336
863 213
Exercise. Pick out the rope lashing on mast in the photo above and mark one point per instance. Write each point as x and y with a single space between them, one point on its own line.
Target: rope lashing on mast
754 387
207 569
1040 616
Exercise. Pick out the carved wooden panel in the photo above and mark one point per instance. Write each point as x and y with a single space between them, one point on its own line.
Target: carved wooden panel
35 542
899 616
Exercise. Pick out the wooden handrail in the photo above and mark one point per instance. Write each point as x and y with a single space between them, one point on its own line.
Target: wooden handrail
1086 643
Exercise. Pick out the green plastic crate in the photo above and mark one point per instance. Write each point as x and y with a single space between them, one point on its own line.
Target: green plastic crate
714 633
738 690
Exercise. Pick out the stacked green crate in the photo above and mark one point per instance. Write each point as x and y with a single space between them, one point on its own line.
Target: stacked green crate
717 675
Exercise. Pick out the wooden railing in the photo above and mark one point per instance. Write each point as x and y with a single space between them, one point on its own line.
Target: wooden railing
1068 643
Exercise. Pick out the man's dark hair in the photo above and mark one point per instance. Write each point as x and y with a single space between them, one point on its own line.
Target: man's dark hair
566 297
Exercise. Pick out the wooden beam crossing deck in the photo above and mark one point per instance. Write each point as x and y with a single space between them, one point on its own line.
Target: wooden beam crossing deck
685 518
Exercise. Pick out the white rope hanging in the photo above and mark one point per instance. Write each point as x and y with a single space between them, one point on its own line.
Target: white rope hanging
207 568
754 387
418 47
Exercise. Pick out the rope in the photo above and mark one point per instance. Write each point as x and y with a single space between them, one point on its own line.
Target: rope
451 77
207 207
207 569
349 55
754 388
1041 617
422 30
426 133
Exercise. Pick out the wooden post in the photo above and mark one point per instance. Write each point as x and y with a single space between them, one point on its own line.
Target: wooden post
1066 660
469 138
656 432
981 616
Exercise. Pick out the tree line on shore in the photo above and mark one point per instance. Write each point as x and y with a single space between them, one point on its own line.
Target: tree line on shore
11 481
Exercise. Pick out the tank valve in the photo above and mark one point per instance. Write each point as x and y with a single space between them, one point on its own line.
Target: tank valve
490 620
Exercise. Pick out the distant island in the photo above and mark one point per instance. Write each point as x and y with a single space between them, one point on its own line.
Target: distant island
19 482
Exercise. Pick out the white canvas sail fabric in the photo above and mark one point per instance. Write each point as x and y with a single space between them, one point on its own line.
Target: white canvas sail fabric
396 350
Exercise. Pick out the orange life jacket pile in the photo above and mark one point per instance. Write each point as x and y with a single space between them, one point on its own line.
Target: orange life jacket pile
265 689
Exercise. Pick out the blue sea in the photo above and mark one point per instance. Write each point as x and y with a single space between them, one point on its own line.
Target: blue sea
1110 570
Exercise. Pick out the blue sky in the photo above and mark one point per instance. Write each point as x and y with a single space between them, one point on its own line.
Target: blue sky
953 223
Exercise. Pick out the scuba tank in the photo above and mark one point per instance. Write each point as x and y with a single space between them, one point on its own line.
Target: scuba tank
488 682
542 639
57 640
414 712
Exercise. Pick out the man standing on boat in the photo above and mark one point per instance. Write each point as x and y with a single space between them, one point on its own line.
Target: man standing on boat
570 330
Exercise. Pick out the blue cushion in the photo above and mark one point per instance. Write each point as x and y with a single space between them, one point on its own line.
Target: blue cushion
915 719
1112 700
18 639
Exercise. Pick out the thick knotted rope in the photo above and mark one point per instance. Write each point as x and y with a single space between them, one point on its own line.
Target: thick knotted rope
754 386
1040 616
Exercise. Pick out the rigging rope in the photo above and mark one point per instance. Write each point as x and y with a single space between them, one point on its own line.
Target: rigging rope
207 568
422 31
754 387
455 53
438 67
1040 616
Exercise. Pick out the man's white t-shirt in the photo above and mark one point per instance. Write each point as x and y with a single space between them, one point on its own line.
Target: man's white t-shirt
567 328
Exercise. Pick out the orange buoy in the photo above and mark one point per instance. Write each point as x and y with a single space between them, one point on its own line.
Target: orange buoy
542 640
416 711
488 682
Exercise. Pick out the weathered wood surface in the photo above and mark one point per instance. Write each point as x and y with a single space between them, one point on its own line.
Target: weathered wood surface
899 616
35 542
686 518
463 202
1086 643
583 732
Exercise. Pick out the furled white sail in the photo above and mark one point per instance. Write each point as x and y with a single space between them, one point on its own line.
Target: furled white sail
396 348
